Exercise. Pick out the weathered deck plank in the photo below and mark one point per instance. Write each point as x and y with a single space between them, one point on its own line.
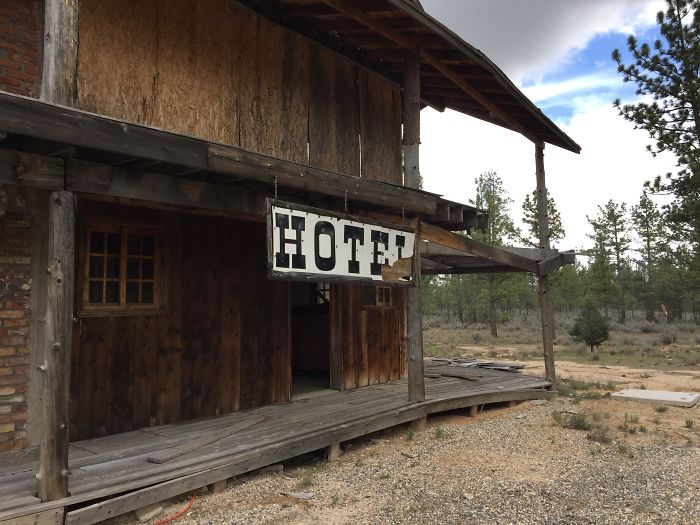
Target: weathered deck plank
102 468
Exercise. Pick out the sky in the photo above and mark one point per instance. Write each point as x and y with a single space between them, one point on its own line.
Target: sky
559 54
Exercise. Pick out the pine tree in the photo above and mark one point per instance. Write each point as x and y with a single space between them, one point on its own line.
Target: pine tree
590 326
530 219
492 197
668 73
650 226
611 225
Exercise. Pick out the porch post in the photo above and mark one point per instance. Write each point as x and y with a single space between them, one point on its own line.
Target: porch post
411 145
60 64
546 309
53 452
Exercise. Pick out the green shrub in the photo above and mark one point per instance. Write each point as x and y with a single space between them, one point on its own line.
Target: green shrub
590 327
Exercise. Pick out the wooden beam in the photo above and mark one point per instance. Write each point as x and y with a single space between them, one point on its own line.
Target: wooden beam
466 244
412 45
53 451
546 308
411 167
25 169
33 118
99 179
552 264
60 63
472 270
235 161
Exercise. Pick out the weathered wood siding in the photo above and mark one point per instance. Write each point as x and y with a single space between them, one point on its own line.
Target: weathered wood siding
216 71
220 344
372 339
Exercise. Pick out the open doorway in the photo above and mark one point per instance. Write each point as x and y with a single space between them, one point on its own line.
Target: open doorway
310 338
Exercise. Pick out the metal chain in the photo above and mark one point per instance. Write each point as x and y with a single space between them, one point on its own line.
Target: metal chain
403 214
346 201
275 187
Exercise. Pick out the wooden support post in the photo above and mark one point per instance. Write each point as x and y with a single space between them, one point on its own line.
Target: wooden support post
411 145
60 64
546 308
419 425
334 451
473 410
53 452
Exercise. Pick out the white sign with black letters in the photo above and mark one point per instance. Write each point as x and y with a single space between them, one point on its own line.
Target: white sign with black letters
312 244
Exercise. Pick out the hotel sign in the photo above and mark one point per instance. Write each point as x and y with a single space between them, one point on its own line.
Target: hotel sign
317 245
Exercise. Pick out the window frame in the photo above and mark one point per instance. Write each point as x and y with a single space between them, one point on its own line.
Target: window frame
379 294
123 228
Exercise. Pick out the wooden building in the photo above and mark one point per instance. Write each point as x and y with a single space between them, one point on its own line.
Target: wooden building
139 141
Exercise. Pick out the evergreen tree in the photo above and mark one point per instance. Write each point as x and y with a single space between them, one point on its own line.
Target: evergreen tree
599 277
530 219
668 73
611 225
492 197
590 326
650 226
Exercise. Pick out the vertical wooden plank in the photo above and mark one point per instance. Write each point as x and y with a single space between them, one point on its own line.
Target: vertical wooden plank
546 308
336 335
395 340
380 115
334 99
124 88
53 452
146 377
383 332
295 98
211 281
228 375
60 63
414 316
361 330
348 332
120 402
170 330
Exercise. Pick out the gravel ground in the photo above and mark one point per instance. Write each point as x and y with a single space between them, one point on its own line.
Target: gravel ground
506 466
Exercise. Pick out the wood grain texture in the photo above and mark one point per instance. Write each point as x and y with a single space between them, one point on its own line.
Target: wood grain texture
58 331
216 71
61 38
221 343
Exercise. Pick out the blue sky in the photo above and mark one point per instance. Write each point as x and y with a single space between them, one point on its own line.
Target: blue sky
559 54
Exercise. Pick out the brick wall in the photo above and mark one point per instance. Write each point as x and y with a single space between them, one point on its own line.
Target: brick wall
21 29
15 285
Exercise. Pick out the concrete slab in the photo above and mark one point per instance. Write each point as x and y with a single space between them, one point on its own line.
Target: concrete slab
660 397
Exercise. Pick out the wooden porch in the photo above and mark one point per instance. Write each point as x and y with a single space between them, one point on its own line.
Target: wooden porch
120 473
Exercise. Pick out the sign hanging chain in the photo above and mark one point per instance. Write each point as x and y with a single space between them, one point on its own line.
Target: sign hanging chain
403 214
346 201
275 187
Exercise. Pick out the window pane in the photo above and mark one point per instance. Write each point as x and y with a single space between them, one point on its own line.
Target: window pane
133 246
113 243
132 293
149 245
112 292
112 268
147 269
95 292
132 268
147 293
97 242
369 296
96 266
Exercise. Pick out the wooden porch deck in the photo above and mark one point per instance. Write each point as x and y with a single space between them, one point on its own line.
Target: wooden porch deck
113 475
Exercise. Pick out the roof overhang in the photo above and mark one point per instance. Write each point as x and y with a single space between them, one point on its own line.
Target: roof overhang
454 74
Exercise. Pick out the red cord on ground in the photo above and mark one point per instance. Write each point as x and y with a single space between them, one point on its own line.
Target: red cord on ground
183 511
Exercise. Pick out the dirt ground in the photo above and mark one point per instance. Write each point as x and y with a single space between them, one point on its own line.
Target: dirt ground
633 463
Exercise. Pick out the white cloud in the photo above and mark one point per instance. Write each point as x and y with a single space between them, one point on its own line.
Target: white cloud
550 94
613 163
529 39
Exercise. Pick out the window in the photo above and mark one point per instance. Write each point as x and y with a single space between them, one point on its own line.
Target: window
376 296
121 268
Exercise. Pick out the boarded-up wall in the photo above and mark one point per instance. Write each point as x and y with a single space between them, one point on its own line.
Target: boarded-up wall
220 344
219 72
372 339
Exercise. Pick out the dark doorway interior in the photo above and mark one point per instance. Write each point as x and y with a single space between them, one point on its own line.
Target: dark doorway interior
310 338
